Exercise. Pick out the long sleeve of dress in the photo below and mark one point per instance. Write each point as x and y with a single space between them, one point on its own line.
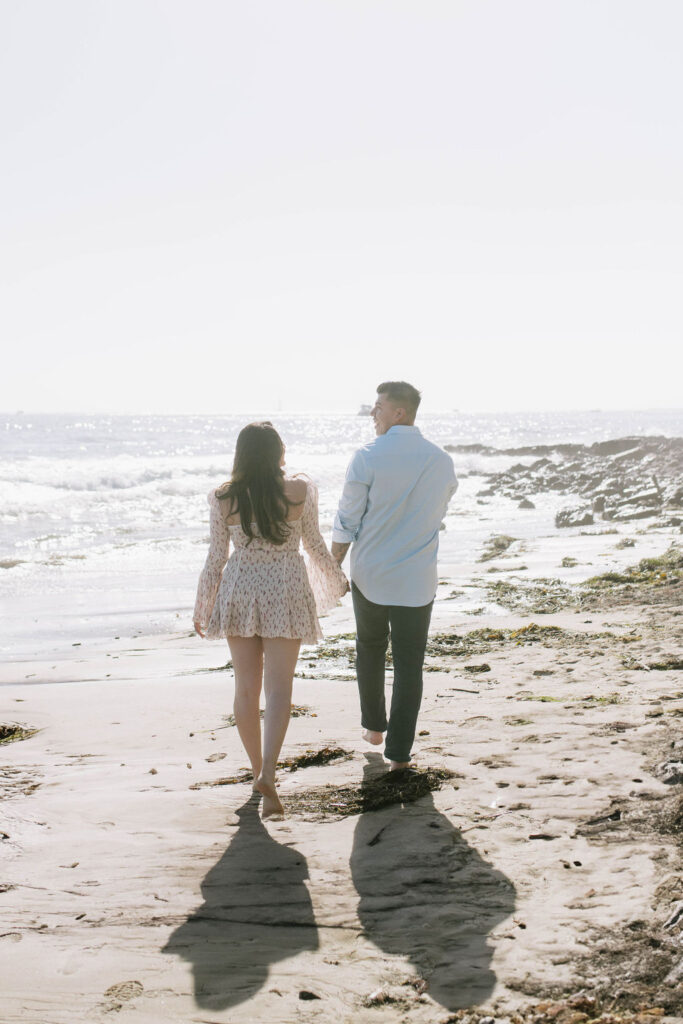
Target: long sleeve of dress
210 576
325 575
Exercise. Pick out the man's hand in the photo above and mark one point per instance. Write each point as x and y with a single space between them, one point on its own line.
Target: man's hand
198 628
339 551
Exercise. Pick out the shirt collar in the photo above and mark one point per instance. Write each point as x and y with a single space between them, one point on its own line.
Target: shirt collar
401 428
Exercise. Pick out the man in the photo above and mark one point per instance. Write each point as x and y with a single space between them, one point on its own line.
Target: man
395 495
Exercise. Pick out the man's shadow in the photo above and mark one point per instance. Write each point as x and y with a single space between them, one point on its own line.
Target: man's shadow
427 896
256 911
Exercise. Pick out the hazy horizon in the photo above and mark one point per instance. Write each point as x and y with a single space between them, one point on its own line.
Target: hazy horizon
339 408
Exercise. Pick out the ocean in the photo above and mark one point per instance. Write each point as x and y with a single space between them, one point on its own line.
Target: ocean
104 520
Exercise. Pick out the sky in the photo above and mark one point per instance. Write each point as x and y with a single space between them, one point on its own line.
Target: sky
217 206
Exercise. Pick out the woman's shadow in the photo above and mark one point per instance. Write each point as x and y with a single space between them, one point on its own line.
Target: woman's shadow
256 911
427 896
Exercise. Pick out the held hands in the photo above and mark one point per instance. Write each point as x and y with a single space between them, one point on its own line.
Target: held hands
338 552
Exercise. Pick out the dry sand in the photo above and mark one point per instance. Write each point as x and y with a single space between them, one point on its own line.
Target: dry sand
548 863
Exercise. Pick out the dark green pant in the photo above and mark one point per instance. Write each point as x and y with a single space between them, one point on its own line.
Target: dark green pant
408 628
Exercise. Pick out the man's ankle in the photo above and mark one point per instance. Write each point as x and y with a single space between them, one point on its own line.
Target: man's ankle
373 736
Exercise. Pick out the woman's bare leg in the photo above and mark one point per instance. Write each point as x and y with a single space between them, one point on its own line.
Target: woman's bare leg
247 660
280 657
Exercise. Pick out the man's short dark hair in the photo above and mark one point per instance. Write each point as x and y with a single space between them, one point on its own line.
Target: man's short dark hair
401 393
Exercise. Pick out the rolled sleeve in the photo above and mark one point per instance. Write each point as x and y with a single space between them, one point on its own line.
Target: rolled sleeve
353 501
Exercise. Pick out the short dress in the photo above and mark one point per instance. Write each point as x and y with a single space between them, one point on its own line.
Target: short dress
265 589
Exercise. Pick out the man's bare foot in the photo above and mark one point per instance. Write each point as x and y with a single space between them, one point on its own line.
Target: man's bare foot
397 766
272 806
371 736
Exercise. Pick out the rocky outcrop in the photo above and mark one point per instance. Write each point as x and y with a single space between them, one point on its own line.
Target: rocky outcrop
574 517
621 480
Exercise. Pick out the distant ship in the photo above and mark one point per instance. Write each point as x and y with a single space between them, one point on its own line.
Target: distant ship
365 410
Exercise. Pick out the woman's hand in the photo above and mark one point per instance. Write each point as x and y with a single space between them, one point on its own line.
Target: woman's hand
348 586
198 628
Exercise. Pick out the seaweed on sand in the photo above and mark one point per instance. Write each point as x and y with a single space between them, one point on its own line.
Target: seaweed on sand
482 641
400 787
313 758
226 780
496 546
537 597
478 641
308 759
654 572
340 646
667 664
9 733
582 1008
298 711
653 581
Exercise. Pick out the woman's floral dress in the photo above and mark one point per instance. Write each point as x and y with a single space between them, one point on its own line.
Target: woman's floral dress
265 589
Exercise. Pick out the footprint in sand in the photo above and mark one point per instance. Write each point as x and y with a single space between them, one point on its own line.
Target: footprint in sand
125 990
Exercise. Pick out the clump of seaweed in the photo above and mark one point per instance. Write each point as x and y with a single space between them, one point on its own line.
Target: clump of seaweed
533 633
399 787
653 581
537 597
495 546
225 780
214 668
483 641
477 641
667 664
653 572
339 646
312 758
10 733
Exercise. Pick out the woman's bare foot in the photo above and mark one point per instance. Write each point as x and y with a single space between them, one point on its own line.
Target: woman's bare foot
255 777
371 736
272 806
397 766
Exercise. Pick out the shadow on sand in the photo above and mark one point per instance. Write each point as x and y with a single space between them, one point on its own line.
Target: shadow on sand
256 911
427 896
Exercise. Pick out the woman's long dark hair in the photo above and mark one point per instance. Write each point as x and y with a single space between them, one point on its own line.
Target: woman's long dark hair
256 488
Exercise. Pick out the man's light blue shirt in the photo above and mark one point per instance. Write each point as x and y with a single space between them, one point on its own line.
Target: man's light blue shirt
395 496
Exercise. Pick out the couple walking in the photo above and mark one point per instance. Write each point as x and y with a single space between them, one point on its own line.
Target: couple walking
265 598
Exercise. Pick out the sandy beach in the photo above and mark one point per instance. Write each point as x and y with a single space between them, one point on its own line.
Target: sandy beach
541 859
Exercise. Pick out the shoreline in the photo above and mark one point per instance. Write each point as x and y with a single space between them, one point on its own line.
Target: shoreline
122 547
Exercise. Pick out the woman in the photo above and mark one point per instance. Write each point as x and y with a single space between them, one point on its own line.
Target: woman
267 599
